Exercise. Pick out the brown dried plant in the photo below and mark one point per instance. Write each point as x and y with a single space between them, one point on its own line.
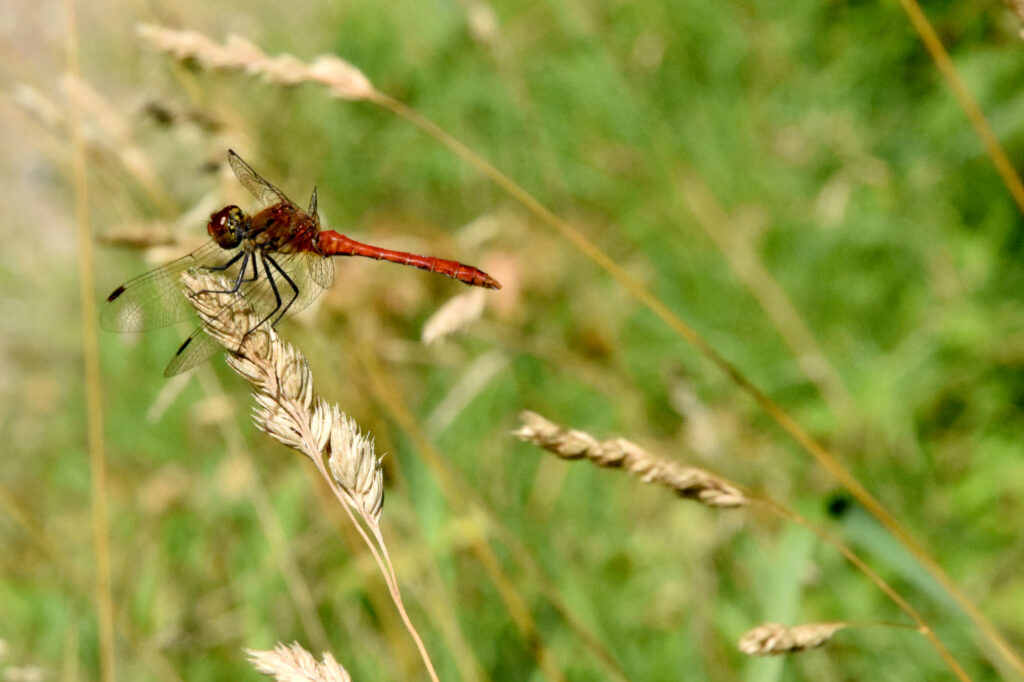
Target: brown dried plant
454 316
341 78
289 411
769 639
688 482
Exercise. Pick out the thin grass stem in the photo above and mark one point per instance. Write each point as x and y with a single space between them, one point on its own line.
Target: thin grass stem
966 100
93 391
289 411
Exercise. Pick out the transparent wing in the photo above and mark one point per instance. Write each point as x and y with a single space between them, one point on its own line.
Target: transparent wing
312 207
321 270
200 346
255 183
300 269
197 349
298 277
309 272
155 299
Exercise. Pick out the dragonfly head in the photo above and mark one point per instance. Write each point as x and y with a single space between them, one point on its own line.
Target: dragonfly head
226 226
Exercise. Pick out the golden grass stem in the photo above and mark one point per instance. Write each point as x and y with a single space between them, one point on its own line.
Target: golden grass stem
93 391
1015 186
518 610
963 95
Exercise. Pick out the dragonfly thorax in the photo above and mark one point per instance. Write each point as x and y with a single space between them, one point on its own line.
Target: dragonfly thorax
228 226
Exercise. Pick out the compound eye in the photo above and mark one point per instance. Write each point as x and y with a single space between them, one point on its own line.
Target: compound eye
225 226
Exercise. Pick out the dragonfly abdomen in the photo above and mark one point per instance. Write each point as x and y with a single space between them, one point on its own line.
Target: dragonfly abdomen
331 243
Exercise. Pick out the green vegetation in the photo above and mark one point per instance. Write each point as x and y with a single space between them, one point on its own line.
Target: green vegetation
796 181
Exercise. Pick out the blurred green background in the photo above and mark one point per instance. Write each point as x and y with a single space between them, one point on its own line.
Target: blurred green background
793 179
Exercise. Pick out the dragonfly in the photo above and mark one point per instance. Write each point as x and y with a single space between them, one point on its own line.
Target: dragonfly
278 259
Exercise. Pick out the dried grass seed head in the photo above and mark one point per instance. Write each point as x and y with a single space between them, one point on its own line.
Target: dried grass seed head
295 664
354 464
688 482
771 639
342 79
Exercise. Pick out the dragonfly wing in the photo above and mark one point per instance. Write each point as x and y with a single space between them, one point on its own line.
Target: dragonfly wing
300 268
321 269
255 183
155 299
197 349
201 346
312 208
309 272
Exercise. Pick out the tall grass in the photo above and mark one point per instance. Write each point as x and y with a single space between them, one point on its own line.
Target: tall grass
799 187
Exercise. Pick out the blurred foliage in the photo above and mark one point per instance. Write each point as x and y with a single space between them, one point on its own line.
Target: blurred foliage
822 137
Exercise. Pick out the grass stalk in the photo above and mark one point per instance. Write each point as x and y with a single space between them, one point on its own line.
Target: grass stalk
289 411
99 516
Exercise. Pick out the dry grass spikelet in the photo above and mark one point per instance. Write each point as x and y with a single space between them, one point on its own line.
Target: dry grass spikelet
354 465
342 80
769 639
688 482
40 107
454 316
295 664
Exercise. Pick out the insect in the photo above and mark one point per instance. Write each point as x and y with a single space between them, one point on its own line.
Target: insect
278 258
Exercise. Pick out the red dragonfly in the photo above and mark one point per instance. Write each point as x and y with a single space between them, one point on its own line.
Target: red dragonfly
277 258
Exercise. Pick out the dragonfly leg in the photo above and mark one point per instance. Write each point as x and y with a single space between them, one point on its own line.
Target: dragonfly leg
277 299
277 294
291 283
246 259
234 259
